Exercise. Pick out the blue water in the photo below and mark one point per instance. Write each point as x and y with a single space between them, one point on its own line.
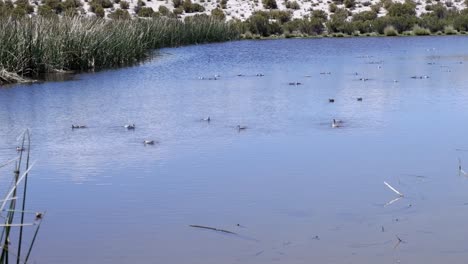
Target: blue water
301 191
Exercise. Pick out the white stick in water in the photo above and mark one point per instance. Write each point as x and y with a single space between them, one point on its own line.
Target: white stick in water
393 189
393 201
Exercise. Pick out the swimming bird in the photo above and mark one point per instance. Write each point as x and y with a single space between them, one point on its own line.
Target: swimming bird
148 142
331 100
207 119
130 126
420 77
78 126
209 78
38 216
239 127
336 123
359 99
260 74
295 83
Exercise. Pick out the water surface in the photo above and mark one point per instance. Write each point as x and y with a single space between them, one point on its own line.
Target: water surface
294 189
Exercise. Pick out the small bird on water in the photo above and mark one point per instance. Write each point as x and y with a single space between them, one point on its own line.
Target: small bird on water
336 123
239 127
78 126
130 126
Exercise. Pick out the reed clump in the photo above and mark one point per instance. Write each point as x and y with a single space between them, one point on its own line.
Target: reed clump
390 31
37 45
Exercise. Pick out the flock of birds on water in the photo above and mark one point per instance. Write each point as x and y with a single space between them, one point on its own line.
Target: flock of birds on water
335 123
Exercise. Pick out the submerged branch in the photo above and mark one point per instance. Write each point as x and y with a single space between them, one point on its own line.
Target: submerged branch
214 229
9 78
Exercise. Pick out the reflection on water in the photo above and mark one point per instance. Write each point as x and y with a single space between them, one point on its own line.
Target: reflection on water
293 189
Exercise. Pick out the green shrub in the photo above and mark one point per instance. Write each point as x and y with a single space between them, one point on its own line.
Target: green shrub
177 3
218 13
376 8
71 4
349 3
102 3
145 12
55 5
365 16
420 31
449 30
460 23
224 4
190 7
402 9
269 4
338 22
124 5
99 11
390 31
312 26
197 8
24 4
320 14
19 12
164 10
120 14
258 24
45 11
279 15
178 11
293 5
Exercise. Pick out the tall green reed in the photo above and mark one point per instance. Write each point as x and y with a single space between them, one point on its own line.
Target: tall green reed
30 46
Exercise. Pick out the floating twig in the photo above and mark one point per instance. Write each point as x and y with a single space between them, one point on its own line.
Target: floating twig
399 241
214 229
393 189
16 225
8 162
393 201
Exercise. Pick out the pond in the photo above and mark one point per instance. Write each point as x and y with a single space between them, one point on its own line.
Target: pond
291 187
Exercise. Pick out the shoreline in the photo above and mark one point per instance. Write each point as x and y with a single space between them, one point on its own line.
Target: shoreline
8 79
